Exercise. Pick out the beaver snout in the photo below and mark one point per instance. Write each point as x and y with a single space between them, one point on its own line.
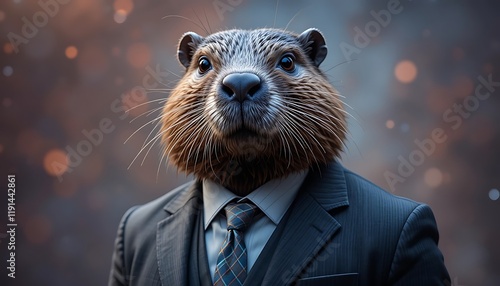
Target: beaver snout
241 86
241 104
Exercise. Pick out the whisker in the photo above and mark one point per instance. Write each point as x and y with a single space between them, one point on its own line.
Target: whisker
159 164
208 22
339 64
276 13
301 91
149 112
287 145
187 19
293 18
142 149
199 20
159 89
144 103
307 107
149 149
320 120
295 134
140 128
145 140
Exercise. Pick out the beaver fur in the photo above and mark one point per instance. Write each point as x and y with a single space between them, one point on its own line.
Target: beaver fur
297 123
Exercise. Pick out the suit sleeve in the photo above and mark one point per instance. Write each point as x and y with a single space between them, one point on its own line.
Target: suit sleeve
119 272
417 259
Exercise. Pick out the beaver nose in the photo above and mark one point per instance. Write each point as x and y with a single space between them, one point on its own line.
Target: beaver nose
240 86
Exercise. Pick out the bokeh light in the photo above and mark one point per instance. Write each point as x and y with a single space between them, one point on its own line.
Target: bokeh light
120 16
2 16
125 5
8 48
433 177
138 55
71 52
37 229
494 194
55 162
404 127
7 71
390 124
405 71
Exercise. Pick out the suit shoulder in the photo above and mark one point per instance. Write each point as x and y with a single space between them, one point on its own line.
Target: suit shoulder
385 215
365 192
152 212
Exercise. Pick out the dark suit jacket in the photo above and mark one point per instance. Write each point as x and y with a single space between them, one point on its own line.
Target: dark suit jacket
341 230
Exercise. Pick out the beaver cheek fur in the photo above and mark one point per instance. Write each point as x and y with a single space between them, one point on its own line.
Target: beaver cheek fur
291 125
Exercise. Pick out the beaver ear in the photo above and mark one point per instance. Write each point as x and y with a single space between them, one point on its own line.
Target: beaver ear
187 46
314 45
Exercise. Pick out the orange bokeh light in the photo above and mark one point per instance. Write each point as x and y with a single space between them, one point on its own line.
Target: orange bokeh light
55 162
389 124
38 229
126 5
8 48
71 52
405 71
120 16
433 177
138 55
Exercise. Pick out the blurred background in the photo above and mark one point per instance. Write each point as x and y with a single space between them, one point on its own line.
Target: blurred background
420 78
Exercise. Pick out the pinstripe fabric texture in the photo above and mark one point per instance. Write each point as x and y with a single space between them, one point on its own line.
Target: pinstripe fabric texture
340 230
231 269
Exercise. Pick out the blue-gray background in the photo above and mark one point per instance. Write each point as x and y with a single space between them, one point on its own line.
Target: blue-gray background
81 66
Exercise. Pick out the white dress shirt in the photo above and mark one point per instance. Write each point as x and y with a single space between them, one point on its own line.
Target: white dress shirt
273 199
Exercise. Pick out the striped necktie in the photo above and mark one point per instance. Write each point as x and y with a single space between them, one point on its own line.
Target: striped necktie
231 266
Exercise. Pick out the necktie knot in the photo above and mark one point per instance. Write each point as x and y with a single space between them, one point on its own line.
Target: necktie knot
240 215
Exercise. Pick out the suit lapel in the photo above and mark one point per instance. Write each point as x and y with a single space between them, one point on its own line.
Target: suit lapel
309 226
308 229
174 235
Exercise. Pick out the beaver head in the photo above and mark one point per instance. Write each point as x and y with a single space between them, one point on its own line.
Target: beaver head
252 106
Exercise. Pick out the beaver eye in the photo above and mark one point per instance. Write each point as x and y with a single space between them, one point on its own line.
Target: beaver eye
204 65
287 63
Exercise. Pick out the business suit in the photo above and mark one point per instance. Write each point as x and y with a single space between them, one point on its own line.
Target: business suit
340 230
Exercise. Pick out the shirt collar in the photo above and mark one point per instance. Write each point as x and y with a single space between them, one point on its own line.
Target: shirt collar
273 198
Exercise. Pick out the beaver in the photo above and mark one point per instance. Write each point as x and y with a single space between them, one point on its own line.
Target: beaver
252 106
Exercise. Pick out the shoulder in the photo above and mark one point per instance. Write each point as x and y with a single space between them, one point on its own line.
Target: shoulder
382 213
402 231
142 217
364 193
